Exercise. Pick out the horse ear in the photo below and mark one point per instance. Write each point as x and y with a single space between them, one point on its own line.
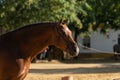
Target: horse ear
60 21
65 21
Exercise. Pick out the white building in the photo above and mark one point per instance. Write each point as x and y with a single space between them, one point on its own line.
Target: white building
99 41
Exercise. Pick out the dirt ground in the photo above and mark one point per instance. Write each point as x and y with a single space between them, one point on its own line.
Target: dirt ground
86 70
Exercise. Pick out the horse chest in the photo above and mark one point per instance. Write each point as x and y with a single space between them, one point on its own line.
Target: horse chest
15 71
22 67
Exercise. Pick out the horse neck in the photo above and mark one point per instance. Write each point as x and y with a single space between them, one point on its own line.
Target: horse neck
33 40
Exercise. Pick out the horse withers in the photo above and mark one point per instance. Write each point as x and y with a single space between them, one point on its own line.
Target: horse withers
19 47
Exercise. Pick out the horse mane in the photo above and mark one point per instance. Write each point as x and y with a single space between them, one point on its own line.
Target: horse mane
33 24
29 25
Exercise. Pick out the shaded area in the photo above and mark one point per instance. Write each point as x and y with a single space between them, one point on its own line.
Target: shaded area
106 68
89 61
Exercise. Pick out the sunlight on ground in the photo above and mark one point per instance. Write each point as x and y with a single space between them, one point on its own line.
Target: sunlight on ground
81 71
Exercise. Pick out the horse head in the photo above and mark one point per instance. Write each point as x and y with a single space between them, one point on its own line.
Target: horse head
64 39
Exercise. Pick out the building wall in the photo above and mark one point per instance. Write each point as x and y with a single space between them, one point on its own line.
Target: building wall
101 41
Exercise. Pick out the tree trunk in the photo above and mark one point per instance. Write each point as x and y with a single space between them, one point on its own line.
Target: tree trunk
76 34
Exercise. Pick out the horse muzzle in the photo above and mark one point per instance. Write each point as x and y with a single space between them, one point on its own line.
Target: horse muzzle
73 50
76 52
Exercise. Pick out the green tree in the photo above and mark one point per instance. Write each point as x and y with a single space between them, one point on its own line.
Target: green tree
16 13
84 15
96 14
107 13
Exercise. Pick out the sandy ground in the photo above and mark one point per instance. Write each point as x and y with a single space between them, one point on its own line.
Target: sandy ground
79 71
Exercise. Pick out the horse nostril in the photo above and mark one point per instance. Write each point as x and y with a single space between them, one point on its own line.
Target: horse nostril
73 49
76 49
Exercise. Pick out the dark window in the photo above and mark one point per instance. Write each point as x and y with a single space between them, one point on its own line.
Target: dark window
119 39
86 41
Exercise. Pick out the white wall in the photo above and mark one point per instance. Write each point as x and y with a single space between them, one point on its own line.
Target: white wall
101 42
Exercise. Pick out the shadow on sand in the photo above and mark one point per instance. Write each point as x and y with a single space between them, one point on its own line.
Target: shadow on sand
106 67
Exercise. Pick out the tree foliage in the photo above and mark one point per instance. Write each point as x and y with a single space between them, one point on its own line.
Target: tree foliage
103 14
16 13
84 15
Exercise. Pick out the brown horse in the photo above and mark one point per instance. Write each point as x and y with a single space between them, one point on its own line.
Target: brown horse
19 47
